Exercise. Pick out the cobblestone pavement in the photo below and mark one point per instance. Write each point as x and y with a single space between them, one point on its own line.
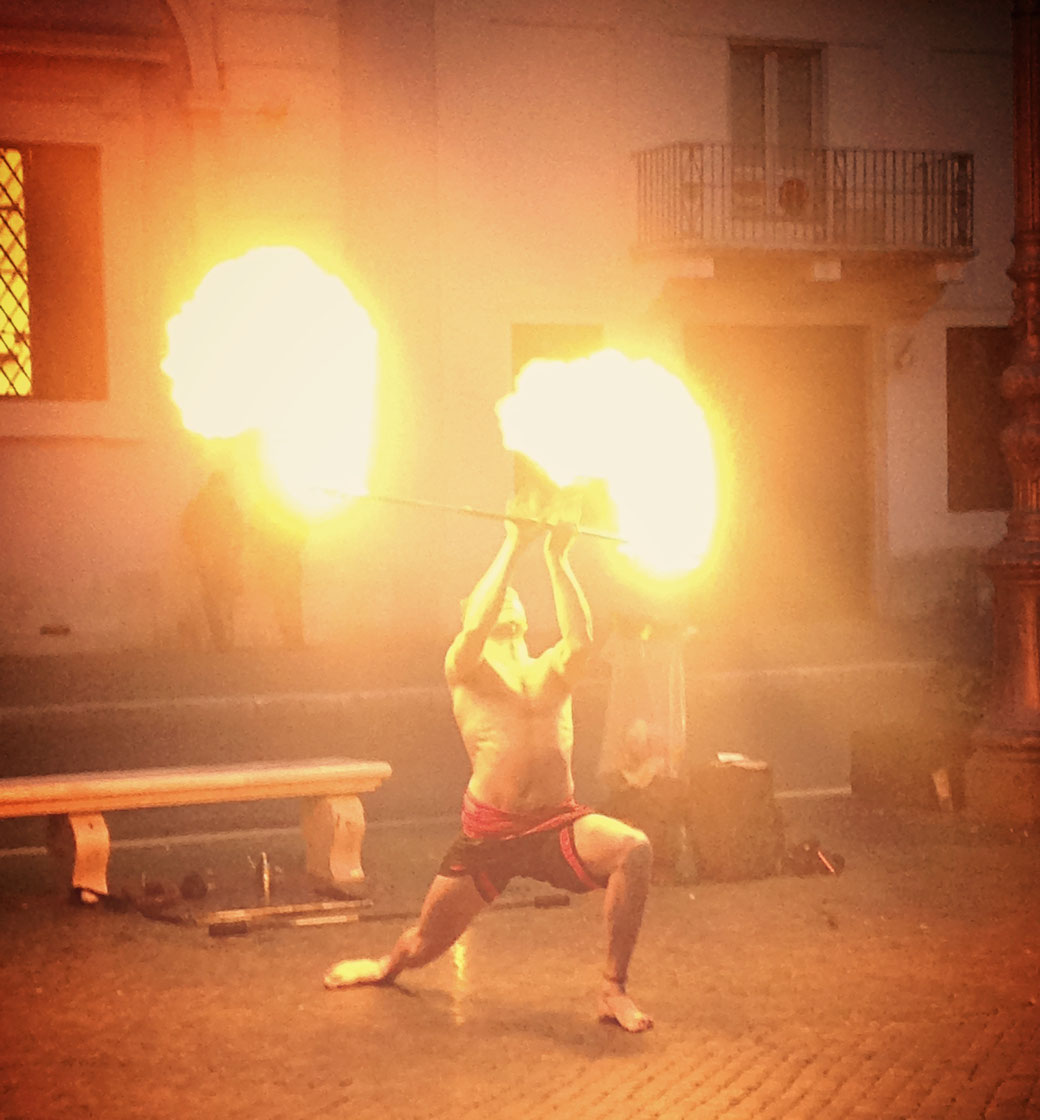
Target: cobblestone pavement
908 987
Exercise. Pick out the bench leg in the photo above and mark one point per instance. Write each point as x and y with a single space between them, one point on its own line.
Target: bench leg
333 830
80 844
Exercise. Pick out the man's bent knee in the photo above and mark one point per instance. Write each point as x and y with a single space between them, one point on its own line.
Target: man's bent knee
640 854
606 845
635 855
634 846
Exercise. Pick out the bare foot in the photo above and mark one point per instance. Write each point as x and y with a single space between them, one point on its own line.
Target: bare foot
617 1007
363 970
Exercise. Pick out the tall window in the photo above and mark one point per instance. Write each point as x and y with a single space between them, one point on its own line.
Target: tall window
775 130
775 96
52 337
977 476
15 357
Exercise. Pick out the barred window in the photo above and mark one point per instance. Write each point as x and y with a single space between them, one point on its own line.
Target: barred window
15 356
52 336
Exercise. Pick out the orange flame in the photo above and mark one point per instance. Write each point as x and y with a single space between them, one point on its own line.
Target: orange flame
635 426
272 344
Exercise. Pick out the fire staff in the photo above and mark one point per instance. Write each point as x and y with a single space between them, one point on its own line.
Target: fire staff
519 815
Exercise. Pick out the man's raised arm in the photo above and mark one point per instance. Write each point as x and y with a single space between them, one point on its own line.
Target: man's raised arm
485 600
572 610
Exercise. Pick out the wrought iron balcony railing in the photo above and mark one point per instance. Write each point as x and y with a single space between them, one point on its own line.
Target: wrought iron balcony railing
700 196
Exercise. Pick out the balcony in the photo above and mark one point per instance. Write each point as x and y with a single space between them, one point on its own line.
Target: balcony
704 199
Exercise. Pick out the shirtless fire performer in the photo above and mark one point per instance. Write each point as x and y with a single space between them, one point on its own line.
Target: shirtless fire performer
519 816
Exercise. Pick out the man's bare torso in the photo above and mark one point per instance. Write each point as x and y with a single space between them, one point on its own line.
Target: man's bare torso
514 715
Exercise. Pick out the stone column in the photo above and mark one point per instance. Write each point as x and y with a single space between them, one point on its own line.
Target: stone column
1003 773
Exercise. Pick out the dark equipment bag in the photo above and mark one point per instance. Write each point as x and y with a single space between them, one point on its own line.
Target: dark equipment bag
734 829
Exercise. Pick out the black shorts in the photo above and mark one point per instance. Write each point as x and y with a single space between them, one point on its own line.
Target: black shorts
550 857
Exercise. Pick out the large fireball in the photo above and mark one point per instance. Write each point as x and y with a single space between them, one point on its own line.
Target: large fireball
635 426
270 343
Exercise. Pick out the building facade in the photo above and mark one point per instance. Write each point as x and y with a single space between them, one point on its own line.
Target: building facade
803 208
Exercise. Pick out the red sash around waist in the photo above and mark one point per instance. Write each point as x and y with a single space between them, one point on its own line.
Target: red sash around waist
481 822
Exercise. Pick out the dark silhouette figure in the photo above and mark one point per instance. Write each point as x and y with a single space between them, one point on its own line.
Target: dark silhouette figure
213 529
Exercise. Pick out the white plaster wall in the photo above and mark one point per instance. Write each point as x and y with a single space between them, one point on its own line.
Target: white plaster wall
274 168
83 481
970 91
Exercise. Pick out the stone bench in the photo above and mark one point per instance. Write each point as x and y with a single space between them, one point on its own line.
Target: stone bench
333 820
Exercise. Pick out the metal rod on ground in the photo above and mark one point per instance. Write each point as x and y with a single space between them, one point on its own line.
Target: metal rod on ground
244 925
538 902
290 910
471 511
230 923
